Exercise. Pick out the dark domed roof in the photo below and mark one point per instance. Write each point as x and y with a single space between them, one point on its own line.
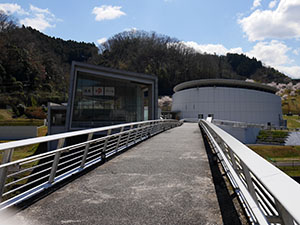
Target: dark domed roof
224 83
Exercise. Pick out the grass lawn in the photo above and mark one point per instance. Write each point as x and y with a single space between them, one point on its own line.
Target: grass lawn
292 121
277 152
5 114
280 153
6 119
23 152
293 171
291 104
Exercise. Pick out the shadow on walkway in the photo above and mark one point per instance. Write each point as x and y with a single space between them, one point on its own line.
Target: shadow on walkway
231 210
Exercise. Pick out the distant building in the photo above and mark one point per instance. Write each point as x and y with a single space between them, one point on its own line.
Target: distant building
228 100
100 96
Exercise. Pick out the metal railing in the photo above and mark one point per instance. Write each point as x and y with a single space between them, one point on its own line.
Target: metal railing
268 195
20 179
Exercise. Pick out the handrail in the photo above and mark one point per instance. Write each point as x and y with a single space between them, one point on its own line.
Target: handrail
37 140
275 194
23 178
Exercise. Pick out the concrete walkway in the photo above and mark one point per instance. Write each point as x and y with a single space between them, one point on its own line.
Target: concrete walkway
164 180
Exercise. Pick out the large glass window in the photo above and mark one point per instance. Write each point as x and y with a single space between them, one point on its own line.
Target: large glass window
102 101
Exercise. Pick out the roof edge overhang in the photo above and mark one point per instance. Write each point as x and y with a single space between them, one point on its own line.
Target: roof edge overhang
224 83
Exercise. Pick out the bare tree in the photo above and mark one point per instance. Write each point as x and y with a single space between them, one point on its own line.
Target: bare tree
6 22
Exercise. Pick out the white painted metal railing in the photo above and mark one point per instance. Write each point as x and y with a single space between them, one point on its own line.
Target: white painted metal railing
268 195
25 177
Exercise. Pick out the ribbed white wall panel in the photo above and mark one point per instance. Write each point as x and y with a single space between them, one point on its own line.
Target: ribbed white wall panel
226 103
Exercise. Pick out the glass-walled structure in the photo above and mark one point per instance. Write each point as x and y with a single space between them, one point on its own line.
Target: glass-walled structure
101 96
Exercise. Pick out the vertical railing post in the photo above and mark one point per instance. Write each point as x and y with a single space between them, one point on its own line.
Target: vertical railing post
159 127
142 132
163 125
6 158
232 159
103 155
151 128
249 181
136 134
154 127
86 150
119 139
284 215
148 134
60 144
129 134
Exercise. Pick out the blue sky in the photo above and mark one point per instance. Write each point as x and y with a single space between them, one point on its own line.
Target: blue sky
266 29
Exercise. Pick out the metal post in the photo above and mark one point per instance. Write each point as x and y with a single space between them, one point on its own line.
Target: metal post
232 158
249 182
163 126
159 125
129 133
86 150
142 133
137 130
151 128
6 158
154 127
103 155
147 130
119 139
60 144
285 216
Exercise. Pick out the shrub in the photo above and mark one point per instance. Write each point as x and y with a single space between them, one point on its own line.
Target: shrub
35 112
21 108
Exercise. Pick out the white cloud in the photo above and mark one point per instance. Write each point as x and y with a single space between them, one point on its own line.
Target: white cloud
272 4
273 53
9 9
256 3
292 71
35 17
101 40
38 10
40 19
132 29
212 48
39 22
107 12
283 22
296 51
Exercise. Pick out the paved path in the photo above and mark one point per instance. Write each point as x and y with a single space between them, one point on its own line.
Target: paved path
164 180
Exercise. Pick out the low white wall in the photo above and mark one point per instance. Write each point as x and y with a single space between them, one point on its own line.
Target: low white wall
245 135
17 132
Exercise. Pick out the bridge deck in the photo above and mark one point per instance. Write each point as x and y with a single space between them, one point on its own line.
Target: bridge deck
164 180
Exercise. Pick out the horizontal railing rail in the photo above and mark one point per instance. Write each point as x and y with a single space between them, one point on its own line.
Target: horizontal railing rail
268 195
22 178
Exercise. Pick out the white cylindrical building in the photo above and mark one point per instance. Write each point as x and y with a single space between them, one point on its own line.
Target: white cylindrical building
232 100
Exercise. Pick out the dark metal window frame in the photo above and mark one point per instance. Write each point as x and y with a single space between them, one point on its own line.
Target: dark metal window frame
98 71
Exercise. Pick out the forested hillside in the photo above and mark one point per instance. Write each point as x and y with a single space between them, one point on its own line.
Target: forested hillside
34 68
173 62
